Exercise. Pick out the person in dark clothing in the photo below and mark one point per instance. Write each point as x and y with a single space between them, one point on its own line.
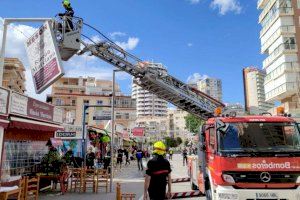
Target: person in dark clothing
69 14
126 153
120 157
139 157
158 175
90 157
184 155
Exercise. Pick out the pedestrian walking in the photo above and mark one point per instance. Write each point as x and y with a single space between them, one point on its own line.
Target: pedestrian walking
171 154
126 152
184 155
120 157
139 157
158 175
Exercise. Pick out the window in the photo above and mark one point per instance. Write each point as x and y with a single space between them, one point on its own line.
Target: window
86 102
58 102
298 4
99 102
73 102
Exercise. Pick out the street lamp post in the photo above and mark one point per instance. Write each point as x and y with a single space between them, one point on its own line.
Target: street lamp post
112 129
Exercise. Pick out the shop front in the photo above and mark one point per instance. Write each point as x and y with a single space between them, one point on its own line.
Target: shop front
31 124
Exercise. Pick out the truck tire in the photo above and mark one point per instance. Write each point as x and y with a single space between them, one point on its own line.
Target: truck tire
208 194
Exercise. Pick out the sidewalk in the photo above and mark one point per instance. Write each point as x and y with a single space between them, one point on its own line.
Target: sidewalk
132 181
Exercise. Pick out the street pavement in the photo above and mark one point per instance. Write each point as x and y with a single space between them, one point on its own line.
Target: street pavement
132 181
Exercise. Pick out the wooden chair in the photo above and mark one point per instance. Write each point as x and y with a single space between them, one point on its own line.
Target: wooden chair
32 188
76 179
102 179
89 179
8 194
22 186
123 196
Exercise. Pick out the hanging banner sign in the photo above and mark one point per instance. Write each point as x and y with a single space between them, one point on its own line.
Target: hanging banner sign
138 132
44 58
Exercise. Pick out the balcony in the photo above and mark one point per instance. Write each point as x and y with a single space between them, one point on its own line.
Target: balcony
281 92
282 30
279 12
266 10
283 68
281 49
261 4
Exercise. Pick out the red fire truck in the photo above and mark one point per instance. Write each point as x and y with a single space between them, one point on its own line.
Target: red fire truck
248 158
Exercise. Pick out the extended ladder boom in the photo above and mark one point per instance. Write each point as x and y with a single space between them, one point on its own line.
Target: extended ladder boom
159 83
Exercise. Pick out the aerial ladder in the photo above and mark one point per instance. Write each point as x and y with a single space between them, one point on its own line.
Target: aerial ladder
163 85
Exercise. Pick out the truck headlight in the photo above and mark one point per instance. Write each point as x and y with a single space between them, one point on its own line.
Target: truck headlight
298 179
228 178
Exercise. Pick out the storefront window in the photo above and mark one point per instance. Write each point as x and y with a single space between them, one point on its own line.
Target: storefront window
22 157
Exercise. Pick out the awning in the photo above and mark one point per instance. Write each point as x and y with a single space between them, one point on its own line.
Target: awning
4 123
126 139
102 131
21 123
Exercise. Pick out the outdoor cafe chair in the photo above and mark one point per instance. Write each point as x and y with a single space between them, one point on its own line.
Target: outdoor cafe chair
89 179
102 179
32 188
76 179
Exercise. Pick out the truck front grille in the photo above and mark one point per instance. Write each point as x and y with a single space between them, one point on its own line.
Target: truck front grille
255 177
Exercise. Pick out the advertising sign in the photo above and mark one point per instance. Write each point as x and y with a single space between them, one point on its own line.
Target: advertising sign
65 134
70 132
4 95
32 108
138 132
44 58
102 115
18 104
39 110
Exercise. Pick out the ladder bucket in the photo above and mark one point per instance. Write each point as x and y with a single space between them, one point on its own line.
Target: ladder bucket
68 34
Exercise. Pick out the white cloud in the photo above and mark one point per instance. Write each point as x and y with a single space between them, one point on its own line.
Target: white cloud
131 43
194 78
116 34
225 6
190 44
194 1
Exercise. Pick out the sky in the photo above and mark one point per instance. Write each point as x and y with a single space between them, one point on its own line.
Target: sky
192 38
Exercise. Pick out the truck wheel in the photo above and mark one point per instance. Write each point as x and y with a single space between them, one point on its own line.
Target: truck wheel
208 194
194 186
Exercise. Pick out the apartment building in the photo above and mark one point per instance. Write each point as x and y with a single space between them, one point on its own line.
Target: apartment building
148 104
280 37
14 75
71 94
211 87
176 123
254 91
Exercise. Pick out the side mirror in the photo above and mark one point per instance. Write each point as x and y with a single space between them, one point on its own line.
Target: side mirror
222 126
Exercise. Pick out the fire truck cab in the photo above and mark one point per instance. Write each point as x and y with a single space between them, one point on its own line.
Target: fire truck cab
248 158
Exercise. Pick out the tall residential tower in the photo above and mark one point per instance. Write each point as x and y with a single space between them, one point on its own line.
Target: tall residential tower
280 37
211 87
255 101
148 104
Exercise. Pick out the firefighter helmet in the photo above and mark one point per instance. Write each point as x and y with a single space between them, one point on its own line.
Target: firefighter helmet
159 148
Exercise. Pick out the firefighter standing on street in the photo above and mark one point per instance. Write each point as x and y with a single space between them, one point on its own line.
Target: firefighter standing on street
158 175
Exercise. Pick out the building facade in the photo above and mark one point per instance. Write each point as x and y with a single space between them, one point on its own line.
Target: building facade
280 37
148 104
176 124
254 92
14 75
71 94
211 87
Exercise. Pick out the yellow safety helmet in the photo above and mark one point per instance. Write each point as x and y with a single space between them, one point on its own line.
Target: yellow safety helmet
66 3
159 148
